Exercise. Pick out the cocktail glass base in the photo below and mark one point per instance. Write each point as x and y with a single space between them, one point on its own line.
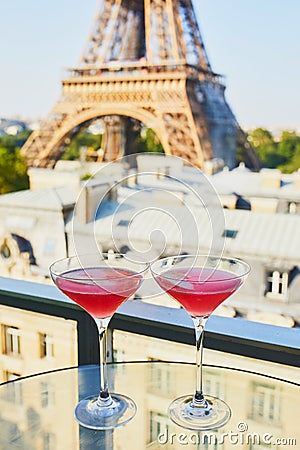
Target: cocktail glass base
120 411
213 413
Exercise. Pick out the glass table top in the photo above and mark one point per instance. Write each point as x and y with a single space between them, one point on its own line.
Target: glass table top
36 413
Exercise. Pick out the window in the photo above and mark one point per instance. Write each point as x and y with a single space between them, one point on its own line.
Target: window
277 284
214 385
11 376
230 233
265 403
159 424
48 440
5 251
294 208
25 246
262 446
46 346
210 441
160 381
47 394
13 431
11 340
124 223
118 355
14 392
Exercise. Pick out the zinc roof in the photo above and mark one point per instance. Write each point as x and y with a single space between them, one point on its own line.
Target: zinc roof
44 199
191 228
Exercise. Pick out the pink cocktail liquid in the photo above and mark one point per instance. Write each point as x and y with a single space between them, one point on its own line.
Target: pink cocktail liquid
199 290
100 291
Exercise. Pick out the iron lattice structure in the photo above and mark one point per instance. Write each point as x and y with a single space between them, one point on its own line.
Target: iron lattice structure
144 59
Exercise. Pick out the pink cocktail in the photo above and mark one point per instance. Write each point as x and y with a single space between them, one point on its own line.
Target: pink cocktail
101 299
199 283
100 283
199 290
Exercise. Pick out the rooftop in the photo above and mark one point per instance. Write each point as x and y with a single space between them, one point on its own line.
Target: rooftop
54 199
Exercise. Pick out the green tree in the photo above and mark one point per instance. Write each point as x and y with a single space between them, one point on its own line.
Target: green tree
283 154
266 147
288 143
82 139
143 140
147 141
13 170
289 149
11 142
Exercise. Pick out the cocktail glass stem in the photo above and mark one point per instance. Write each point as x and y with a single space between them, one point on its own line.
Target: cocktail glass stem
104 398
199 400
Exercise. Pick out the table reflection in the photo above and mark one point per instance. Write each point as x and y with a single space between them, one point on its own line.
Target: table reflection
37 412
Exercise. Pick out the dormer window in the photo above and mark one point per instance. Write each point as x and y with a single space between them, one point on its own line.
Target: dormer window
277 285
230 233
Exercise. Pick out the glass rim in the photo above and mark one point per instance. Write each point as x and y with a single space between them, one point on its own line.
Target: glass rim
194 256
91 278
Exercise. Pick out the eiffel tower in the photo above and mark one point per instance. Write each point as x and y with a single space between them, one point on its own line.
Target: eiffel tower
144 59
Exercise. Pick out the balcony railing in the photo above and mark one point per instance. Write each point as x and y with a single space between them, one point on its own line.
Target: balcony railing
235 336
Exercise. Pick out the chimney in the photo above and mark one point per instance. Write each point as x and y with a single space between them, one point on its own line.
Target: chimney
297 180
90 198
270 178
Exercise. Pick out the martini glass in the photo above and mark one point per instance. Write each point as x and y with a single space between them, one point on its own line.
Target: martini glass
100 283
199 283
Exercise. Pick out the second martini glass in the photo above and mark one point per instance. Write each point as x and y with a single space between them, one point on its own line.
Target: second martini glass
100 283
199 283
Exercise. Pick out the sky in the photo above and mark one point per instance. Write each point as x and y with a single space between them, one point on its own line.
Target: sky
255 44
